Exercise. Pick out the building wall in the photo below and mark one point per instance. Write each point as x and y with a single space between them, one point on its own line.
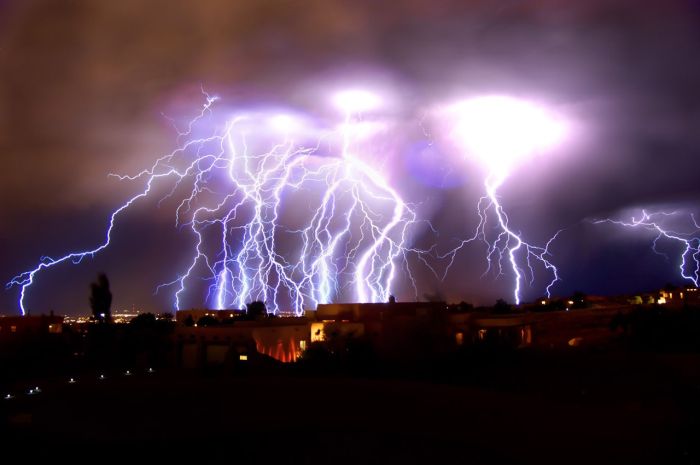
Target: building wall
19 327
283 339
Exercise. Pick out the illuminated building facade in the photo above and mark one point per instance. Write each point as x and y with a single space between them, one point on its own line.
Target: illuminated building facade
283 339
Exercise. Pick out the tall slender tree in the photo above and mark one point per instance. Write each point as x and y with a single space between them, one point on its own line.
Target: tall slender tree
101 299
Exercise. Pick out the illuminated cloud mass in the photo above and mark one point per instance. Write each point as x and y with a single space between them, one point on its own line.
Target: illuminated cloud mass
502 132
356 95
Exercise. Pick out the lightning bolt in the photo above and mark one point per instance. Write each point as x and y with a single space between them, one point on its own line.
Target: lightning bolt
501 132
234 198
506 247
689 259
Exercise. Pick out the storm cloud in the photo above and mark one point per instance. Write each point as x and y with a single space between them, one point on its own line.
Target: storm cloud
84 86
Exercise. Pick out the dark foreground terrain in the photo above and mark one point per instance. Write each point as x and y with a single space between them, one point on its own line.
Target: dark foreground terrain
586 408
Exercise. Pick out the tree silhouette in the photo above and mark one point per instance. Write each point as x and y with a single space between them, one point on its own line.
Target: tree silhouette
101 299
144 320
502 307
670 287
580 300
207 320
465 306
256 309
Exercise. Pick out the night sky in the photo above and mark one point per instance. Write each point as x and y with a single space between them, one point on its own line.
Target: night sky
85 85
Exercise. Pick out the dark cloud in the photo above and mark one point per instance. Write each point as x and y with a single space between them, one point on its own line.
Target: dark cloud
83 85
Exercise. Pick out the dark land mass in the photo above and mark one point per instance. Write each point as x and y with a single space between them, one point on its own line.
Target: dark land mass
520 407
622 388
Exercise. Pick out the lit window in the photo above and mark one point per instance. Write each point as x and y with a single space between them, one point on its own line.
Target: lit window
13 329
681 295
544 302
459 338
302 344
482 334
242 357
317 332
54 328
